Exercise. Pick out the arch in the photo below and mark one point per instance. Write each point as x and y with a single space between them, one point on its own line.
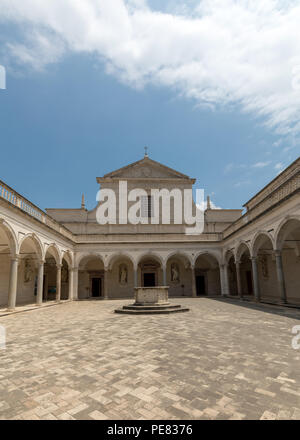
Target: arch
179 274
242 247
37 243
30 250
210 254
207 273
289 224
8 250
229 253
54 251
149 274
258 240
230 271
288 244
118 255
66 283
150 255
68 257
121 275
89 255
180 254
92 276
11 236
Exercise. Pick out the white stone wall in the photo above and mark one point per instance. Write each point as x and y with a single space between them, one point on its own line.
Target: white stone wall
115 289
83 285
25 291
268 284
213 282
184 287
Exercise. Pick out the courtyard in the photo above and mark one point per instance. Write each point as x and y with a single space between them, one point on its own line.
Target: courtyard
225 359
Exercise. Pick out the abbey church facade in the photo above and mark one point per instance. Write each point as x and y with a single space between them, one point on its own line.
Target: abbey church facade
68 254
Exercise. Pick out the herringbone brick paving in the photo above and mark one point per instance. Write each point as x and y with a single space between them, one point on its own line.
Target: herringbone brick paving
221 360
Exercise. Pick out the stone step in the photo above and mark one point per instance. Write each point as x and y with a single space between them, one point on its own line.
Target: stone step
151 307
158 311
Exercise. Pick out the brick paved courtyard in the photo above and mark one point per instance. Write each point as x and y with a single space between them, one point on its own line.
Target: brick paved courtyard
79 360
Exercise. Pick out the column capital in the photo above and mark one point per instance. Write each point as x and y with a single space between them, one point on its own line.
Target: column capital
277 253
59 266
74 269
237 262
253 258
41 262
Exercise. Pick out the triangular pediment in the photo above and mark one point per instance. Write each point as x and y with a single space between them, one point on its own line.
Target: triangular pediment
146 168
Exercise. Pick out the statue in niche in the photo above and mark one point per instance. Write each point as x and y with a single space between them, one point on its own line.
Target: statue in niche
64 274
264 266
28 272
174 273
123 275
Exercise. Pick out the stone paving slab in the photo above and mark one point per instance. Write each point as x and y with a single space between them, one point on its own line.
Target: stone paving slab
221 360
29 307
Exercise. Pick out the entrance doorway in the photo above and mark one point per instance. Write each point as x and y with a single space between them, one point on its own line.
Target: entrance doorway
200 285
149 279
96 287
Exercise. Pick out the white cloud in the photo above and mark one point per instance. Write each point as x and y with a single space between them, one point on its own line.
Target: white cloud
217 52
233 167
203 205
242 183
261 164
279 167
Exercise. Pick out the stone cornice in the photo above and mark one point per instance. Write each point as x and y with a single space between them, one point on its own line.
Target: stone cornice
274 185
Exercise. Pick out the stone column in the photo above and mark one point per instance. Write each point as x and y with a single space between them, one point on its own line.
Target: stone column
46 286
238 278
194 289
105 282
135 277
40 284
71 279
58 282
75 284
222 279
255 278
13 283
280 277
164 269
226 280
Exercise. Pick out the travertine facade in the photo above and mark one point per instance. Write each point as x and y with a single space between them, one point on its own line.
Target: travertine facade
67 254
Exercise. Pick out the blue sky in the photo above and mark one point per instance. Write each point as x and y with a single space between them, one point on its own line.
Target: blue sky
70 115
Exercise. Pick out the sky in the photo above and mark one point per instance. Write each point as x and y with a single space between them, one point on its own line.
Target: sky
211 87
